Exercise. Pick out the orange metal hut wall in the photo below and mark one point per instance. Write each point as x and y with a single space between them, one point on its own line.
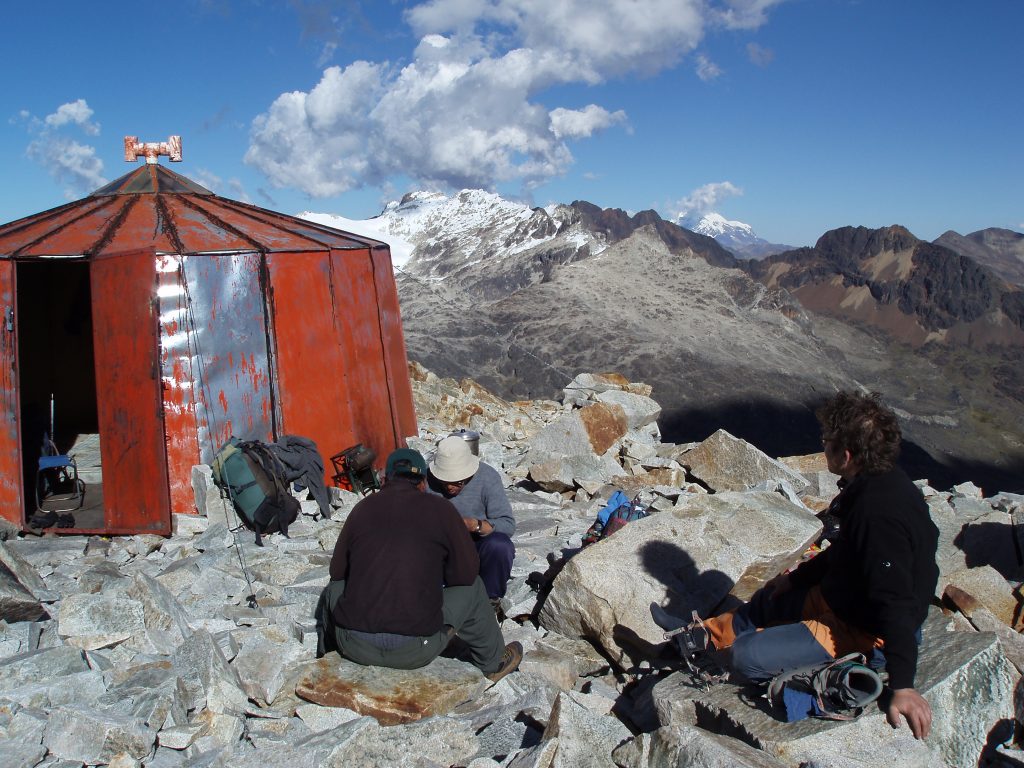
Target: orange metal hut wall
10 439
339 351
335 368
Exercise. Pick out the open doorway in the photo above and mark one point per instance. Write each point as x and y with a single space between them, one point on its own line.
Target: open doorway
57 383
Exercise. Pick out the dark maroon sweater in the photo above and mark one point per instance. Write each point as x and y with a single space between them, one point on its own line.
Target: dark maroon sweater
397 550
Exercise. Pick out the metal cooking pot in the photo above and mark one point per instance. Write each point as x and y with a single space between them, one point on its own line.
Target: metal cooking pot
471 437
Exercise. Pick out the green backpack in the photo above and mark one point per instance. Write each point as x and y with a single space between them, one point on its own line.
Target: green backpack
253 478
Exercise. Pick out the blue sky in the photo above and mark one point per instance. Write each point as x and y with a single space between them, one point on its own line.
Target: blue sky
794 116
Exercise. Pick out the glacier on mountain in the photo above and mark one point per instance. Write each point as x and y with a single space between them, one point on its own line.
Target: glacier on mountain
424 224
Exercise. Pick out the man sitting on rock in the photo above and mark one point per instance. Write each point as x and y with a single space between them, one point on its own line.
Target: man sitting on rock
871 588
478 494
404 581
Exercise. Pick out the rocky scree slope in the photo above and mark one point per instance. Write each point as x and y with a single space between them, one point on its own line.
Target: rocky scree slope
198 649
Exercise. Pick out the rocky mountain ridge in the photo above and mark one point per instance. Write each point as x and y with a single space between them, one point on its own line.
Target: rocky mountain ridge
521 299
916 291
1001 250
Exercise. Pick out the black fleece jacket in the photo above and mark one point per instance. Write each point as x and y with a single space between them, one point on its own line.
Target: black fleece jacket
880 574
396 552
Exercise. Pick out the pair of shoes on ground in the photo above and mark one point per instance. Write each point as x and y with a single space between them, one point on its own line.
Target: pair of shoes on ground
41 519
509 661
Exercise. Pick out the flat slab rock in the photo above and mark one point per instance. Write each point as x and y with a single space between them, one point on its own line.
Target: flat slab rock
964 676
392 696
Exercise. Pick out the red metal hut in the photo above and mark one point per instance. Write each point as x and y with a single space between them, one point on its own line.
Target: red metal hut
165 318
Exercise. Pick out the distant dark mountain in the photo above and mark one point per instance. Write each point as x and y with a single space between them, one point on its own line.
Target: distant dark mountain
735 236
1001 250
915 291
617 225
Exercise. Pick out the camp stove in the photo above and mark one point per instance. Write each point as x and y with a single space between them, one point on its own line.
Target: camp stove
353 469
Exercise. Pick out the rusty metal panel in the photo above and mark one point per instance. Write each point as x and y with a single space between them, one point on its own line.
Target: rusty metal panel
143 225
199 232
67 230
271 231
10 442
358 322
135 489
154 207
277 232
395 359
313 374
179 400
227 343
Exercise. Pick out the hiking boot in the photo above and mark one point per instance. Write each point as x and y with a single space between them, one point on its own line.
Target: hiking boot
698 651
692 639
841 688
509 661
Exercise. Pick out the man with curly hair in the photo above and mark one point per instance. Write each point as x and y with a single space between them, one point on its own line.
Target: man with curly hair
869 590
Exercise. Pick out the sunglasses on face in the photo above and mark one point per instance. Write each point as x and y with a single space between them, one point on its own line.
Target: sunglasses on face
456 483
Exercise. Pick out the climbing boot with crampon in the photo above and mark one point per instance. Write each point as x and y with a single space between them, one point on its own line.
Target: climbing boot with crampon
697 649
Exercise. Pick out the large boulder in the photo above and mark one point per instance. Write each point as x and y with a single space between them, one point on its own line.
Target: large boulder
684 559
94 621
565 473
686 745
640 411
984 586
988 539
585 738
21 589
588 431
963 675
727 463
390 695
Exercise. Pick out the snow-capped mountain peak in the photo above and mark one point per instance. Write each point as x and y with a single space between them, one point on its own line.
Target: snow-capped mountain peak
423 225
715 224
735 236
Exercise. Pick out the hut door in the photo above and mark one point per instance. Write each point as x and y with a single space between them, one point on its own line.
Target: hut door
10 445
125 323
230 339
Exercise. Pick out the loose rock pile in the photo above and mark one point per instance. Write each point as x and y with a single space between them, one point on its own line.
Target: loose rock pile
198 649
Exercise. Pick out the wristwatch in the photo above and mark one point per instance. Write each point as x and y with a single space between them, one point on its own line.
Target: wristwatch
479 525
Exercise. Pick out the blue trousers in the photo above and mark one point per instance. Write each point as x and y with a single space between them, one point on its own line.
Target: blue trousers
783 642
496 553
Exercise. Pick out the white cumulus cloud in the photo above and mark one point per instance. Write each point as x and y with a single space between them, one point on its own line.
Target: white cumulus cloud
466 109
70 162
704 200
580 123
594 41
76 113
744 14
707 69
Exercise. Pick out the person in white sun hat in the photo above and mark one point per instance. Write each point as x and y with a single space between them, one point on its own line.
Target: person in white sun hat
478 494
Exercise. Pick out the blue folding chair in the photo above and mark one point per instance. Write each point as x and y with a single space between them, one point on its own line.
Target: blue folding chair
57 483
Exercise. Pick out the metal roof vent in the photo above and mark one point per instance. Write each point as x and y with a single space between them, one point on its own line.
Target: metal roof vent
151 150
